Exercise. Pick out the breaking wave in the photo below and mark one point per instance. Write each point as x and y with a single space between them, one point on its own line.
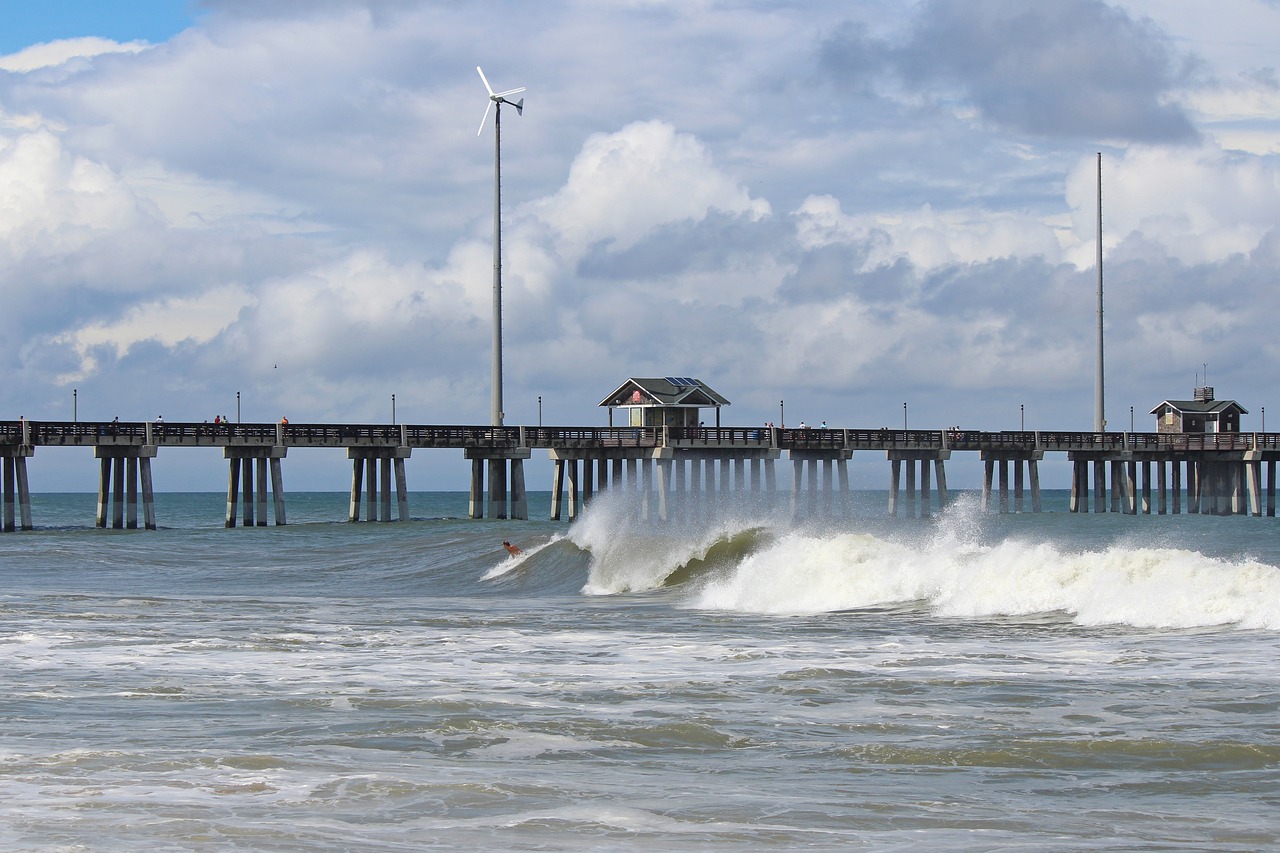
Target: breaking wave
750 562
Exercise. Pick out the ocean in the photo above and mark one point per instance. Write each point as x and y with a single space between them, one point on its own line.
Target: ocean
744 681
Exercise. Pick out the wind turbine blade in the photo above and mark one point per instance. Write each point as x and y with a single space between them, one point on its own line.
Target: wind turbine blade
487 107
510 92
486 81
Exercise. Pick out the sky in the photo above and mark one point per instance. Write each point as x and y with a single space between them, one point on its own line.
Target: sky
849 205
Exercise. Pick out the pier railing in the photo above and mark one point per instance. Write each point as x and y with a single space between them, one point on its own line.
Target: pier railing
135 433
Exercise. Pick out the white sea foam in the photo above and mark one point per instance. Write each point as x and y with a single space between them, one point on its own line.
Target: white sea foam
956 575
953 567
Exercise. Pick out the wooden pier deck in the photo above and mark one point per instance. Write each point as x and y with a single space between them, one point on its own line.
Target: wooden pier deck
1222 472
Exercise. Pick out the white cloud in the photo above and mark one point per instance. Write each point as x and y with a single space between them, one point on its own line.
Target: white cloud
928 238
624 184
55 53
294 200
1200 205
170 322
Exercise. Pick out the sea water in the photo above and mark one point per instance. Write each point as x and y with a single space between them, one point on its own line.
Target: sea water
741 679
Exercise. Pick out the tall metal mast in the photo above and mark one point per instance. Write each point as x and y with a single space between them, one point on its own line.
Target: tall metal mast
1099 397
496 100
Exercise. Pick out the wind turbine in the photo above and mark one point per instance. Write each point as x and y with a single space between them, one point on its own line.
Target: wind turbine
496 100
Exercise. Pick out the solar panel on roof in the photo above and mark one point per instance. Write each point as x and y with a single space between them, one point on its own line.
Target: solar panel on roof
682 381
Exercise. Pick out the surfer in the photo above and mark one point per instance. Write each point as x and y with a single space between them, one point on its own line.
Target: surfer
511 549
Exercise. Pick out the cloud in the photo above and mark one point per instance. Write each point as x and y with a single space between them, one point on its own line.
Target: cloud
1074 69
56 53
847 205
624 184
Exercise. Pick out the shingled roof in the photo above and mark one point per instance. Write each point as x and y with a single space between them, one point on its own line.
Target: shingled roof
668 392
1199 407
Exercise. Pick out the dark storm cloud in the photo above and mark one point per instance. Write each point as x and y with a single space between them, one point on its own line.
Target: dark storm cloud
1073 69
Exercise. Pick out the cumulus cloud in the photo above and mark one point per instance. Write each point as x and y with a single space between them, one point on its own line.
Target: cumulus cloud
1077 69
624 184
55 53
849 206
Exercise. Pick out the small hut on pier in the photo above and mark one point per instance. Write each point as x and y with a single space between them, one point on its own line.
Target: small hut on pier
1203 414
673 401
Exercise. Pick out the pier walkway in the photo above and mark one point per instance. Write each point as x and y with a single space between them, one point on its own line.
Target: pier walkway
1219 473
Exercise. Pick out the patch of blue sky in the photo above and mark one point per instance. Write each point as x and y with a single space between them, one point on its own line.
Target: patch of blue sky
28 22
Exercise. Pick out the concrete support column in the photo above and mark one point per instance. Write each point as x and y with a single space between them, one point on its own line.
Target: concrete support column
246 483
277 490
1271 488
797 482
588 482
1017 485
148 495
557 488
940 474
519 497
1176 486
498 489
475 505
988 473
371 490
646 487
812 491
104 490
1162 489
1131 487
895 471
1253 472
10 493
571 469
662 485
1004 486
911 488
1033 472
1193 486
924 488
131 493
1116 486
233 493
117 499
695 486
1146 487
262 491
384 474
1100 485
1077 481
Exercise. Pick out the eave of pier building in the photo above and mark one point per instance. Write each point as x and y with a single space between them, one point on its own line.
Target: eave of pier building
664 393
1199 407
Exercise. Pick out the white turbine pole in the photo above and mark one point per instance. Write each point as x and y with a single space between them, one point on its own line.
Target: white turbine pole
496 100
497 413
1099 405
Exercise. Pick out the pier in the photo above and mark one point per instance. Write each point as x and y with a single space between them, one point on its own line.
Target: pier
671 469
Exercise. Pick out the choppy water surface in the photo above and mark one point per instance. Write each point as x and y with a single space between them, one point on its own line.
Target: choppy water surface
1047 682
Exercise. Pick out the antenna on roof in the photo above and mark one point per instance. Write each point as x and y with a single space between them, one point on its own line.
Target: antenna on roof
496 100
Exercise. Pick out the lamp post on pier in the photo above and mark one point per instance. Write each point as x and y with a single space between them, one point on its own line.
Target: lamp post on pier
1131 419
539 411
393 409
782 414
75 404
904 417
237 407
1022 414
